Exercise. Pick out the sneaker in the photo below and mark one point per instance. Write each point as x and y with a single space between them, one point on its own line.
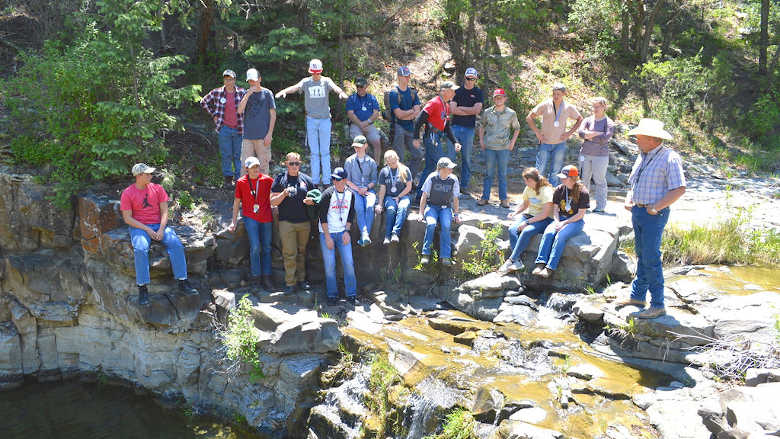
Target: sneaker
143 295
446 261
425 260
186 288
650 313
630 302
394 239
598 210
366 241
538 269
482 202
509 266
333 301
268 284
386 241
505 204
545 273
360 242
504 268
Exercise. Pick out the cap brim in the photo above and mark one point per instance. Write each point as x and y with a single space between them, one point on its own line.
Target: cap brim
336 177
315 71
562 176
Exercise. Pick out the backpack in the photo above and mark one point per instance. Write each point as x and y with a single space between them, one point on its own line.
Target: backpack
387 113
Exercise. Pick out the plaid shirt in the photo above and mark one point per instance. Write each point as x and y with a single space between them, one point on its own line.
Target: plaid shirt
214 104
654 174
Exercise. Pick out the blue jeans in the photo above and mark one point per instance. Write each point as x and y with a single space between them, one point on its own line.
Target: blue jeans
395 215
229 140
141 242
318 138
648 230
329 258
433 153
496 159
555 151
554 242
518 242
259 239
364 211
442 216
465 136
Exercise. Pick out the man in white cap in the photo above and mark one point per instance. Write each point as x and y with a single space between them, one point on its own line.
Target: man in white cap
144 207
466 105
439 205
316 89
259 110
222 105
657 180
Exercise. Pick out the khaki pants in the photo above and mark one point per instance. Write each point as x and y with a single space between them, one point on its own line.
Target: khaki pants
257 149
294 237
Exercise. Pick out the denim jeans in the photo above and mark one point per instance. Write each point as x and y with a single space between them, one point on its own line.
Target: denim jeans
496 159
229 140
554 242
259 242
648 230
547 151
364 211
395 215
318 137
518 241
329 258
141 242
465 136
442 216
433 153
594 167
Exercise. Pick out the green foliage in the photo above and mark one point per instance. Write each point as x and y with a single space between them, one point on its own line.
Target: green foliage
241 339
677 82
763 120
283 54
487 256
459 424
185 200
383 376
595 22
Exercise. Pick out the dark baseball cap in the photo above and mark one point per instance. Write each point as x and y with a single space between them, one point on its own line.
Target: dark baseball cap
338 174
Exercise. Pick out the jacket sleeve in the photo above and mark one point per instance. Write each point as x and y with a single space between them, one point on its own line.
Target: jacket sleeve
324 205
206 102
351 214
419 122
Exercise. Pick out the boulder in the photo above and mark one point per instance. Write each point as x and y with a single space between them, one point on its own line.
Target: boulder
11 366
510 429
97 215
753 410
469 238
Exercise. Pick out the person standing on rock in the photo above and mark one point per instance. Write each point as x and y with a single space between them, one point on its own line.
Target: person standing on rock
362 111
259 110
316 90
361 179
439 205
289 193
405 107
538 199
434 117
222 105
395 184
657 180
553 135
466 105
570 202
497 141
597 130
144 207
253 192
337 213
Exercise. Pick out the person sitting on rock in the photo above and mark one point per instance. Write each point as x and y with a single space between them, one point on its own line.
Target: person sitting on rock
395 183
538 199
336 214
439 205
144 207
253 192
361 179
570 201
289 193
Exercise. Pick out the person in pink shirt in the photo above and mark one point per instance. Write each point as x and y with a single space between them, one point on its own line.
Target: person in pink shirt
144 207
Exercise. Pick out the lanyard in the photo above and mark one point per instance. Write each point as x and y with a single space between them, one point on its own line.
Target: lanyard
357 160
557 111
644 166
257 188
339 203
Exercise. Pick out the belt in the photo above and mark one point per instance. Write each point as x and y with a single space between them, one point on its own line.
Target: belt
643 205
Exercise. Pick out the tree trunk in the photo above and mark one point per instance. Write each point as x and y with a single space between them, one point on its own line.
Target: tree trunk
648 32
207 13
763 42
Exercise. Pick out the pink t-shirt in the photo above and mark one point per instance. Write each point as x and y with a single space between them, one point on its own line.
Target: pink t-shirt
230 118
144 204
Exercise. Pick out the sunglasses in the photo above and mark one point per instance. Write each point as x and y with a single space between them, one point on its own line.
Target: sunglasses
471 79
293 163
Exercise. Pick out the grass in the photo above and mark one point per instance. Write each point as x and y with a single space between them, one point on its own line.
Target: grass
383 376
459 424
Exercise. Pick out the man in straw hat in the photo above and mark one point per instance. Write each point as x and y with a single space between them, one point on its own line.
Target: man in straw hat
657 180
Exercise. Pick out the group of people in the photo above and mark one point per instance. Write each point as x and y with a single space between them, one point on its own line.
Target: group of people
554 201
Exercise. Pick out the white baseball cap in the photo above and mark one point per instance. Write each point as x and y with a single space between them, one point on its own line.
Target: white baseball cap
251 161
230 73
315 66
252 75
142 168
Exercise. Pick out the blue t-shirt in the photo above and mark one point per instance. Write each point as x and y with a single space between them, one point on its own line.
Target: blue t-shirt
257 114
405 103
362 106
466 98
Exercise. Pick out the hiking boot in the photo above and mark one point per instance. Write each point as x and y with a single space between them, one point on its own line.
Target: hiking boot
446 261
186 288
425 260
650 313
482 202
394 239
538 269
143 295
505 204
227 182
268 284
630 302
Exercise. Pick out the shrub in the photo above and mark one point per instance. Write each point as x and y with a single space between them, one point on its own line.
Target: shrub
459 424
487 256
239 342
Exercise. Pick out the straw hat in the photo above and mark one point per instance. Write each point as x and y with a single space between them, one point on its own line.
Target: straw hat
652 128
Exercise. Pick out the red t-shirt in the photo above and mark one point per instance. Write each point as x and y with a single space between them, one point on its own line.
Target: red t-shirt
437 112
245 191
230 118
144 203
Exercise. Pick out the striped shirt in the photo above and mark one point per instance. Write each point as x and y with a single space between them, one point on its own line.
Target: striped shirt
654 174
214 104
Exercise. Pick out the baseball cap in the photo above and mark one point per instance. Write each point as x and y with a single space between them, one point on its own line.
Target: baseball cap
339 174
315 66
229 72
359 141
251 161
361 82
445 162
448 85
404 71
471 71
499 92
142 168
252 75
569 171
